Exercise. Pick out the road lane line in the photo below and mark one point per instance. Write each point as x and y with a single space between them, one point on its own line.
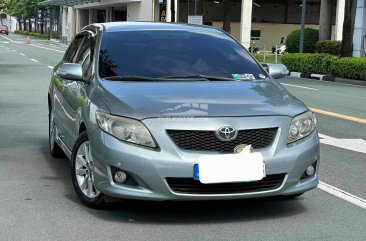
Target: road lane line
298 86
342 194
357 145
49 66
339 83
22 54
34 45
47 48
34 60
340 116
13 50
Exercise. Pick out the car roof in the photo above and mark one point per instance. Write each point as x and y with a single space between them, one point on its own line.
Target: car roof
135 26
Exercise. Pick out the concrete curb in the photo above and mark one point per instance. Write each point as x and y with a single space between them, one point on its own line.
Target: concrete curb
327 78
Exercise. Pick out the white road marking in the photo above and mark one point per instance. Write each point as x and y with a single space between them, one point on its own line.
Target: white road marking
358 145
22 54
13 50
342 194
34 45
34 60
49 66
56 50
298 86
331 82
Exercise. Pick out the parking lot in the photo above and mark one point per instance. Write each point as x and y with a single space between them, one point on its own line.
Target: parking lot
37 200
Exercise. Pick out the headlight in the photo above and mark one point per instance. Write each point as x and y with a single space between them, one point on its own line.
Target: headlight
301 126
125 129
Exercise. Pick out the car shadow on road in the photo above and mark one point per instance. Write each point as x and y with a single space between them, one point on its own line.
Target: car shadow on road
183 212
200 211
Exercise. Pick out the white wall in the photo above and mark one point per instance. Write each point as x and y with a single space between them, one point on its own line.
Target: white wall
11 22
140 11
271 33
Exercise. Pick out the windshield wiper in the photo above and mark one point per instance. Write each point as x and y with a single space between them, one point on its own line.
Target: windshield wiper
170 78
130 78
201 77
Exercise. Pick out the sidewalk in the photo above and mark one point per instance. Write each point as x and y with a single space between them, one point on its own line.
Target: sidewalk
327 78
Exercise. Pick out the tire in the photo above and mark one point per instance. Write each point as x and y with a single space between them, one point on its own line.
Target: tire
54 148
82 175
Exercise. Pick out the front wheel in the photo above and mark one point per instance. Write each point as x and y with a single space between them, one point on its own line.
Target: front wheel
82 173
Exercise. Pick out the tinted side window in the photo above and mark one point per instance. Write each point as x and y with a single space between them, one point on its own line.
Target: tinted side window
84 50
72 50
84 56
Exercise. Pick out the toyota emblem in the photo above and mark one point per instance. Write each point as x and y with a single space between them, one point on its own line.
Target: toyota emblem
226 133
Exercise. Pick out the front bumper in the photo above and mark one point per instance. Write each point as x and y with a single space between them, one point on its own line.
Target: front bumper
150 168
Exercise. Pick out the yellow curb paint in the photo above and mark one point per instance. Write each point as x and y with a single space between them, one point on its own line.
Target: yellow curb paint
340 116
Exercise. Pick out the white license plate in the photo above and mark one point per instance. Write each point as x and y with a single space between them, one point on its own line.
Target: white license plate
230 168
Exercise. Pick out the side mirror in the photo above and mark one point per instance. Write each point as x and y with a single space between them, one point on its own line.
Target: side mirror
70 71
277 71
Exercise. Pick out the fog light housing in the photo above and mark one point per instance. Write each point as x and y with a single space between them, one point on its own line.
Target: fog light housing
120 177
310 171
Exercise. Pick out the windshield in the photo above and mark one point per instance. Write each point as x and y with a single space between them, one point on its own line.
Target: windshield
166 53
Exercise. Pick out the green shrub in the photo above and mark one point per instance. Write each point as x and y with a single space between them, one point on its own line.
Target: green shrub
39 35
352 68
328 47
311 36
308 63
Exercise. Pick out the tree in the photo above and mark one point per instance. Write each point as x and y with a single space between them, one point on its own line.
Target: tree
25 9
348 28
30 11
15 8
3 8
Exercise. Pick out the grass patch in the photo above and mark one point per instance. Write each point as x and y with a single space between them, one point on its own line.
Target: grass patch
269 58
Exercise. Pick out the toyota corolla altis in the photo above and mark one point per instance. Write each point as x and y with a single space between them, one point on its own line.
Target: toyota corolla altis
160 111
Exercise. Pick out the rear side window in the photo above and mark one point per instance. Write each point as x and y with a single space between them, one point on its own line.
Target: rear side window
72 50
162 53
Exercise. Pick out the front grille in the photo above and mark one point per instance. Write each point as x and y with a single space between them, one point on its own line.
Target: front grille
191 186
207 140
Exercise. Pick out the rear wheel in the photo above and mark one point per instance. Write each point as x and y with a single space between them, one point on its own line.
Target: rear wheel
55 149
82 173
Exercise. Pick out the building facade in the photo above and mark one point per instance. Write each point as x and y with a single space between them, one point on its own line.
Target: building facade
258 22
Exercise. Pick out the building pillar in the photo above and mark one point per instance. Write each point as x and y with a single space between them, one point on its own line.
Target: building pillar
246 22
338 31
168 10
359 35
325 19
176 10
65 27
78 21
72 23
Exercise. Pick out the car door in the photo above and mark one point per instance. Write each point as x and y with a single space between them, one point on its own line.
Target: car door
74 92
62 94
58 85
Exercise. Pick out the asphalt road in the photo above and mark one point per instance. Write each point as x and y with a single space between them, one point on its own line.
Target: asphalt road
37 201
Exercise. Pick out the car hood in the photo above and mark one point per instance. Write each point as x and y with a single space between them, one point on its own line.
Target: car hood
142 100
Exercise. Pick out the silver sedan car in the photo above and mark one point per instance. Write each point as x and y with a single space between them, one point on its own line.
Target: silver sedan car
160 111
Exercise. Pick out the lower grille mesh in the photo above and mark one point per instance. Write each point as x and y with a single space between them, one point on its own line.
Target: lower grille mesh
191 186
